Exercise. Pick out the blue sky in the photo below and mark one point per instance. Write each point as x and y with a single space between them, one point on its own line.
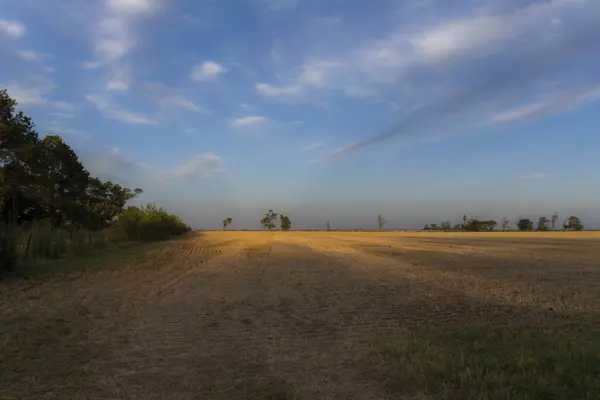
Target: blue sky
322 109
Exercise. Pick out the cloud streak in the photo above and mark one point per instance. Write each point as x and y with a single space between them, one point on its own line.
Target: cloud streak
117 113
513 74
250 120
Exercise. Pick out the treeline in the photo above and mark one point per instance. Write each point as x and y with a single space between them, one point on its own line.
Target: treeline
269 221
572 223
50 205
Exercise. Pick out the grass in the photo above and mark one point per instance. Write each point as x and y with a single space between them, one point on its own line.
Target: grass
498 363
311 315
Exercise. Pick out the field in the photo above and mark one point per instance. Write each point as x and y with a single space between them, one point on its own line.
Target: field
312 315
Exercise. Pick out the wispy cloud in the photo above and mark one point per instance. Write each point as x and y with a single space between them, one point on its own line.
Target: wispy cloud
202 166
206 71
57 128
270 90
117 113
312 146
115 35
12 28
169 97
555 104
250 120
35 95
29 55
111 163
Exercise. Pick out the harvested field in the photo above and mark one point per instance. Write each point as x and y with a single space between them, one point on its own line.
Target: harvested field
313 315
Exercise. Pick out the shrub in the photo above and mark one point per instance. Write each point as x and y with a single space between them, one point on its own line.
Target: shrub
150 223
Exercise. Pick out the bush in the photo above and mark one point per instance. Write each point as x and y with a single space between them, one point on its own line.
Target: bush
150 223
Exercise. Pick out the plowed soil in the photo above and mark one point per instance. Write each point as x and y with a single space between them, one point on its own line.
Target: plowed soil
279 315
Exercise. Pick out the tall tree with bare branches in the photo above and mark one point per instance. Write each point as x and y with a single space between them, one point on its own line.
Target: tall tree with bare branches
381 221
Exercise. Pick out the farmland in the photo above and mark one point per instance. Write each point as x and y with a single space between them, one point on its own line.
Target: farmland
312 315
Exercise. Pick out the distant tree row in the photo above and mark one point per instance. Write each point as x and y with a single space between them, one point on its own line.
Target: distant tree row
571 223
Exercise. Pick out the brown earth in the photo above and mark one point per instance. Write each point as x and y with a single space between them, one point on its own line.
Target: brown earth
282 315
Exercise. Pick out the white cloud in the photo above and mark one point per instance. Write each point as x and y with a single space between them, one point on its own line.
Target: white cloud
34 95
131 6
29 55
115 35
314 74
119 114
471 37
312 146
12 28
179 101
363 66
202 166
189 131
206 71
120 80
538 175
249 121
270 90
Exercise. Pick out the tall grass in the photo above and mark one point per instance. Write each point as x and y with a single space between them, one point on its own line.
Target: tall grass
40 242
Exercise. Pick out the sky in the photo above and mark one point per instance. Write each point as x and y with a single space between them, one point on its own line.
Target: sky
324 110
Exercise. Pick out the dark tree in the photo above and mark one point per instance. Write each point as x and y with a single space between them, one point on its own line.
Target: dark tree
285 222
554 219
226 222
381 221
525 224
268 221
573 223
543 224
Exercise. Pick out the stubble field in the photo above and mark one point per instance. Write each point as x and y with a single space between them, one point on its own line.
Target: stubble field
312 315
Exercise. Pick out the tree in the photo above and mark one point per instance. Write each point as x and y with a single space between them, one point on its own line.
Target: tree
427 227
446 225
525 224
554 218
381 221
543 224
43 179
573 223
268 221
328 226
226 222
505 224
475 225
285 222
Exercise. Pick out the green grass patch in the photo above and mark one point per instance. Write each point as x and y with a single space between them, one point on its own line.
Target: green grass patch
498 363
112 257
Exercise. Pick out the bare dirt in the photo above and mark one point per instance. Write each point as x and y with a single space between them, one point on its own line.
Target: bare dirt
279 315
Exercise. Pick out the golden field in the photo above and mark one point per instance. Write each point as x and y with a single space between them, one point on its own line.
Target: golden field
312 315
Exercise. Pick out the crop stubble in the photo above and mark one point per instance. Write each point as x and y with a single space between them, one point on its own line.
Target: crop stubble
225 315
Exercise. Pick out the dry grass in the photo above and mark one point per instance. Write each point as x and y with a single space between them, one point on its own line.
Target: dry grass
313 315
